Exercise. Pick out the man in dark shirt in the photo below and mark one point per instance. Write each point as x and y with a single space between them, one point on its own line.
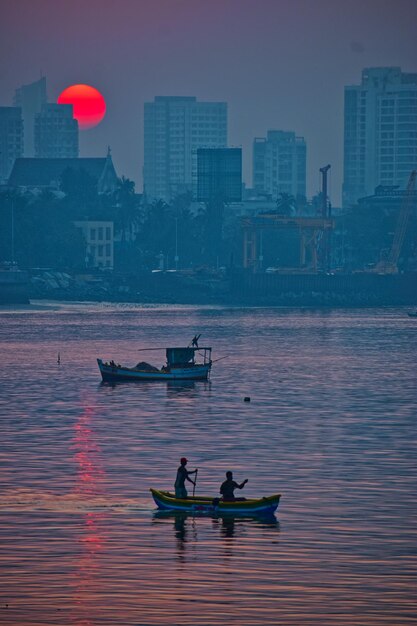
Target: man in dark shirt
229 486
183 475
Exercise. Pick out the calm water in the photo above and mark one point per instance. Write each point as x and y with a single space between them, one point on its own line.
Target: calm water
331 425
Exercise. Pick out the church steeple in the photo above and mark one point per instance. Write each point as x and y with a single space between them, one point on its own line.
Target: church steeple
108 179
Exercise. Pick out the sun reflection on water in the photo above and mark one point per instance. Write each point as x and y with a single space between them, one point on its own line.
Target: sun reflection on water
331 425
90 483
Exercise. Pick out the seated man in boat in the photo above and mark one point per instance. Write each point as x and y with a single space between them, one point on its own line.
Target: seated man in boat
227 488
183 475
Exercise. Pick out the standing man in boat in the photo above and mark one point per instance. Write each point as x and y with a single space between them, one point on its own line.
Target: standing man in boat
227 488
183 475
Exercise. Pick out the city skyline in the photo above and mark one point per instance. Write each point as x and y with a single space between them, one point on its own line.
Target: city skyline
278 66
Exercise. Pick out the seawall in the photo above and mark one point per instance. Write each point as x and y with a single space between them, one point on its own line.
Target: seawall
357 289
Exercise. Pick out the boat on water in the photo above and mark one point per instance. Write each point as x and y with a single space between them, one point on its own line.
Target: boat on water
412 314
167 501
181 364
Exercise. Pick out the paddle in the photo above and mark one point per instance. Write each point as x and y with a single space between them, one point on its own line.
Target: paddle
195 482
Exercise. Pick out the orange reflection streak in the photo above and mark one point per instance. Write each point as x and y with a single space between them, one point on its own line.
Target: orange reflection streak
90 472
89 485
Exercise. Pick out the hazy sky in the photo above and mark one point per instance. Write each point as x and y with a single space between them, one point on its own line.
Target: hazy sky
280 64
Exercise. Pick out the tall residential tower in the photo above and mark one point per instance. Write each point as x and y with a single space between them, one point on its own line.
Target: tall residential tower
11 139
279 164
30 98
174 128
56 132
380 135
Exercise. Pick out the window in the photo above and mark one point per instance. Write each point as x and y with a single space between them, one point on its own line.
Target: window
93 234
100 233
108 233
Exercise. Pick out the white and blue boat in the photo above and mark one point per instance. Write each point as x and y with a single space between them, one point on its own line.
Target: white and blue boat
190 363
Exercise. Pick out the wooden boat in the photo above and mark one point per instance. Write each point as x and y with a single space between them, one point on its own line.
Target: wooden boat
167 501
181 364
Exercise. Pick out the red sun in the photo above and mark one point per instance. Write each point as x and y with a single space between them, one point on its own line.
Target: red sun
88 104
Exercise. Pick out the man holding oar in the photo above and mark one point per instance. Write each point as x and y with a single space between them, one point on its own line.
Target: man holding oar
183 475
227 488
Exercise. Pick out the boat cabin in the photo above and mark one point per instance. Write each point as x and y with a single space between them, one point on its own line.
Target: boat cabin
185 357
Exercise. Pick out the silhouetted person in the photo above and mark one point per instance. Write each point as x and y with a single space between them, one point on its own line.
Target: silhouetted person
182 475
227 488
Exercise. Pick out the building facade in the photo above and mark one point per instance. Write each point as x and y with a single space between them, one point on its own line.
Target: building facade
99 242
219 174
279 164
174 128
11 139
30 98
56 132
380 132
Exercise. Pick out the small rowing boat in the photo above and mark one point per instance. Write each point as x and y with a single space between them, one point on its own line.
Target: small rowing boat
167 501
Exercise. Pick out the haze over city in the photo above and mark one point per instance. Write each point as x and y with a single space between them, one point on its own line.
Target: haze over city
208 309
278 65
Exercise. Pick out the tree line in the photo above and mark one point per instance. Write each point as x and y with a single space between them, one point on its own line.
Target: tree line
38 230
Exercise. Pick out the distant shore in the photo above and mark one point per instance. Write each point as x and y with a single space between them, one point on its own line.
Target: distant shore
235 289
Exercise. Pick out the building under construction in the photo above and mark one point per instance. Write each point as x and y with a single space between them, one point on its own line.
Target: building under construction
316 279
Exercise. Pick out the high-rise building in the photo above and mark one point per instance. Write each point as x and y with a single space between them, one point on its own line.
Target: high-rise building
174 128
56 132
380 131
219 174
279 164
30 98
11 139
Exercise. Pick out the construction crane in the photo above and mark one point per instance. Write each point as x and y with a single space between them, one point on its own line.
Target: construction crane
325 242
310 228
315 232
324 205
390 264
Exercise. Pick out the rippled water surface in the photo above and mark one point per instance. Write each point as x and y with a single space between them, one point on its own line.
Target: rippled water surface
331 425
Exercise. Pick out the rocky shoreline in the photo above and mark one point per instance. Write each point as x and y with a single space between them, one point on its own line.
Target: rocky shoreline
215 289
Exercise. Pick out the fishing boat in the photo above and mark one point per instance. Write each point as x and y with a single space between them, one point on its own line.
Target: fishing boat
181 364
167 501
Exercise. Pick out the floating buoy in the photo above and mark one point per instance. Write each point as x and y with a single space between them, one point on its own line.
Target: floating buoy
246 399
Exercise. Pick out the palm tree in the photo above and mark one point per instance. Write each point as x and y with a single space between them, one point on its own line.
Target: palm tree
286 204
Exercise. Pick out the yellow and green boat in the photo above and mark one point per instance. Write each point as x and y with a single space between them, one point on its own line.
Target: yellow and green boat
167 501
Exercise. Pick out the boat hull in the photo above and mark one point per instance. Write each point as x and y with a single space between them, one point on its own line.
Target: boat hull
262 506
111 373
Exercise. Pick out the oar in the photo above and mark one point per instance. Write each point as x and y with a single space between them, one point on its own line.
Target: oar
195 482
